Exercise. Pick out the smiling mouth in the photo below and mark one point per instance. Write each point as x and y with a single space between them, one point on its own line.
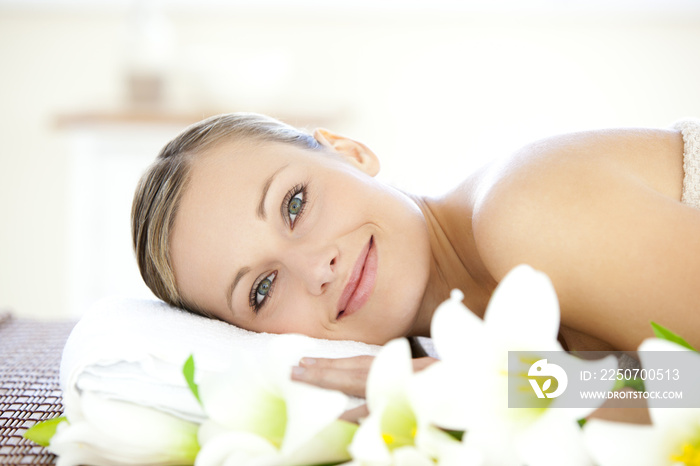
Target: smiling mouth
361 283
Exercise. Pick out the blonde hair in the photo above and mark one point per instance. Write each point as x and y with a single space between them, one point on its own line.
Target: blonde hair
161 187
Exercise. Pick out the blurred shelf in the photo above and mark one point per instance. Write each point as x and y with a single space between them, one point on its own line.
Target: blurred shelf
182 119
129 117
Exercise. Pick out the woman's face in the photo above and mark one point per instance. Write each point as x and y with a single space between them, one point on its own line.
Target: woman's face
276 238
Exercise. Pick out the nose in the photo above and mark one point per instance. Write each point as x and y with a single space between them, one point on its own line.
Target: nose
314 265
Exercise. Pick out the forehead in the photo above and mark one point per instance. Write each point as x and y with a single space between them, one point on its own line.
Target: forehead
250 157
239 166
222 184
241 156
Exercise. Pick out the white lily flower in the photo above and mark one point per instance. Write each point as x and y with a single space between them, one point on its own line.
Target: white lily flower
101 431
396 432
257 415
522 315
673 438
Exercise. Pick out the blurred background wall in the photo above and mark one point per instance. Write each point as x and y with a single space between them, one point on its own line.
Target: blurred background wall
89 91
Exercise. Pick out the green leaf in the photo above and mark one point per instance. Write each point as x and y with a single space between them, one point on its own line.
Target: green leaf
455 434
636 384
188 372
665 334
42 432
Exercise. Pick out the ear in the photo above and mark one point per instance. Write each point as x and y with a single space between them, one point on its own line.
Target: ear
353 152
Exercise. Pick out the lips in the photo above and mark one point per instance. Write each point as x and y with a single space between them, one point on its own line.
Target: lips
361 283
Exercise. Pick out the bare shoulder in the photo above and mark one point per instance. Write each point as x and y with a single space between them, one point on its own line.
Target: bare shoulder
599 212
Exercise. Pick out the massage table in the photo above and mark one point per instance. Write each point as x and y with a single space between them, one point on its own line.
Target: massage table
30 356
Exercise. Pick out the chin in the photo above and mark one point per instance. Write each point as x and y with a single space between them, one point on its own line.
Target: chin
377 339
397 324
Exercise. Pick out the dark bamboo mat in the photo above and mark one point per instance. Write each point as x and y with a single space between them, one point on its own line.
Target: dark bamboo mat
30 357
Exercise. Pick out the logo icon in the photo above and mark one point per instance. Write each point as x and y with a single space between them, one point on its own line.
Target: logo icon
541 369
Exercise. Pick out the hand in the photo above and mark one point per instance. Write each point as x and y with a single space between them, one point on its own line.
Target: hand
355 415
348 375
636 411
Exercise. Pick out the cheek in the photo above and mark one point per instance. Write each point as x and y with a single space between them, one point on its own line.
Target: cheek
348 195
293 316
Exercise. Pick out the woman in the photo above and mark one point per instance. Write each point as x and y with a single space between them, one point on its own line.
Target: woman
253 222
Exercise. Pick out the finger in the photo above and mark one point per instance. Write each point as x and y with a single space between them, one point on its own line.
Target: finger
421 363
357 363
350 382
355 414
338 363
635 411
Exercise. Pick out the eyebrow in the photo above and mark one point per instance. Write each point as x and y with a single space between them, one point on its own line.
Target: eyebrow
263 195
263 216
229 293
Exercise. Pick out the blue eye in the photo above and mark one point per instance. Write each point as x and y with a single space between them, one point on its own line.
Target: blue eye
294 204
261 291
295 207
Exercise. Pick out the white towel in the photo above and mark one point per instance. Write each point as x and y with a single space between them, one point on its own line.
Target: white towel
134 350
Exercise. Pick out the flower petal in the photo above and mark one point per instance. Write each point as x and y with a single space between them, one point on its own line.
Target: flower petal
461 455
496 443
72 449
616 443
548 440
456 331
330 446
241 399
238 448
410 456
575 366
438 444
389 374
367 445
524 304
309 410
439 393
651 357
124 433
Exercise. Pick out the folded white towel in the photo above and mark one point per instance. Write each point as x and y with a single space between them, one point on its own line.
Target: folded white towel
134 350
